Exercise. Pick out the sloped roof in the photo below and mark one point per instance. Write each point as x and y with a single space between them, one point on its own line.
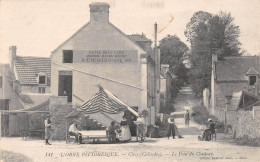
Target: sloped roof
244 101
252 71
103 101
235 68
84 26
139 38
27 68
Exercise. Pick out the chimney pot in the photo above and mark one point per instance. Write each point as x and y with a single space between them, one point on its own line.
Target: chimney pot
99 12
12 56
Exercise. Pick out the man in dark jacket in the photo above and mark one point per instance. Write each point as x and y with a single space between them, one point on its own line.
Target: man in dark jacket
111 132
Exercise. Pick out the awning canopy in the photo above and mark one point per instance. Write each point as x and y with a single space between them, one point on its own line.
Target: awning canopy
103 101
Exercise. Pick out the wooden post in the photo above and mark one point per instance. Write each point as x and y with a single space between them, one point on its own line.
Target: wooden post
66 130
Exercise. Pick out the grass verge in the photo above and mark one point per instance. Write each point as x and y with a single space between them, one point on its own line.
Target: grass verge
201 115
8 156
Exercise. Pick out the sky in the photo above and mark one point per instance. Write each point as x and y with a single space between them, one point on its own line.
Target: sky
37 27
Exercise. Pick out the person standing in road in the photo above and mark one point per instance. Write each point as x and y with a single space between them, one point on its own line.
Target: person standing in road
171 127
47 124
187 118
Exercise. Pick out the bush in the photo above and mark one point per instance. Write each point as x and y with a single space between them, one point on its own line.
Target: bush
248 141
12 156
200 115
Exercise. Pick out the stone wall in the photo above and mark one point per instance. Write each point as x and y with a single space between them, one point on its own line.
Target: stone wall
33 89
59 109
244 123
223 90
36 120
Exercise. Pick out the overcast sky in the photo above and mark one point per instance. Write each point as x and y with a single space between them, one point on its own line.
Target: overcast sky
37 27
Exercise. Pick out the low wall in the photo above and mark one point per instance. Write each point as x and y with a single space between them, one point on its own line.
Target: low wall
59 109
244 123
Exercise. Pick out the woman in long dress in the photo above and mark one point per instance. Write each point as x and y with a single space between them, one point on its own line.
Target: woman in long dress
125 131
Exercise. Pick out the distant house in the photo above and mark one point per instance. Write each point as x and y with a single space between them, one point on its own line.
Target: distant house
234 74
24 86
32 73
235 93
166 78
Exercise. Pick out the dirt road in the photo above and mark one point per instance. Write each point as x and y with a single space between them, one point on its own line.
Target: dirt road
153 149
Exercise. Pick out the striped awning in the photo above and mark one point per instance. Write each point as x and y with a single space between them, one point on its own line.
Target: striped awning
103 102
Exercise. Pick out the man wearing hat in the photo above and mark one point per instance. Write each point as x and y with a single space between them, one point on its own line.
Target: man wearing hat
73 131
211 126
171 127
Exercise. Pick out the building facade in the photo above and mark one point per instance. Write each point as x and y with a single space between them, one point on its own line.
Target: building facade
235 95
99 53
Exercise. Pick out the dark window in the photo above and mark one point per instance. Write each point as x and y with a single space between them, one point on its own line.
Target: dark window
252 80
1 82
42 79
65 86
67 56
41 90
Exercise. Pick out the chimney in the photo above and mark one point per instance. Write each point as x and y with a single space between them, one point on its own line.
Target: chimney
12 56
99 12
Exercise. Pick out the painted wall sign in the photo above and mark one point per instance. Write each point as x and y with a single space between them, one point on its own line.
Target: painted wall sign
105 56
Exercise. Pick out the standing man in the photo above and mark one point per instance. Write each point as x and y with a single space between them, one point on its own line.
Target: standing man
171 127
187 118
73 131
47 124
111 132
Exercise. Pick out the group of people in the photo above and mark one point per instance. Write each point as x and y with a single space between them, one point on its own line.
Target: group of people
116 133
122 133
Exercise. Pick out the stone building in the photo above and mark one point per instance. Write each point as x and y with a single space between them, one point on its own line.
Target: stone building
25 86
100 53
31 73
235 91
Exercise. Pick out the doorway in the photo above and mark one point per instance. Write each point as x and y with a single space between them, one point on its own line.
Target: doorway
65 85
4 105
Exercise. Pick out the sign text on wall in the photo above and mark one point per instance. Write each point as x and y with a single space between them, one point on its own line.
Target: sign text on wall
105 56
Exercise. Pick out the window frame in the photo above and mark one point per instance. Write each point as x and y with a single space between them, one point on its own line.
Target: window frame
255 80
42 90
67 52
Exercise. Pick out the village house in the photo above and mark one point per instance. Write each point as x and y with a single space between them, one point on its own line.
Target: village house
101 55
235 98
97 55
25 86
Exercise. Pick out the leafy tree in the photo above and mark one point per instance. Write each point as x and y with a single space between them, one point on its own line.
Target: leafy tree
173 53
209 34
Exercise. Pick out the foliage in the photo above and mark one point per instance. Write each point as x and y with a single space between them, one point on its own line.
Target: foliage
12 156
248 141
201 115
208 34
174 52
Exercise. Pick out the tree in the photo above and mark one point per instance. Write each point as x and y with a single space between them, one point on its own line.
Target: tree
209 34
173 52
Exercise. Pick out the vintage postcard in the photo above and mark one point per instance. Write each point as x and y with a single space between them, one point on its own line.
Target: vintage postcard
140 80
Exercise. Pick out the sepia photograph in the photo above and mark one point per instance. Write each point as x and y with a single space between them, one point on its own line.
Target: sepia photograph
128 81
